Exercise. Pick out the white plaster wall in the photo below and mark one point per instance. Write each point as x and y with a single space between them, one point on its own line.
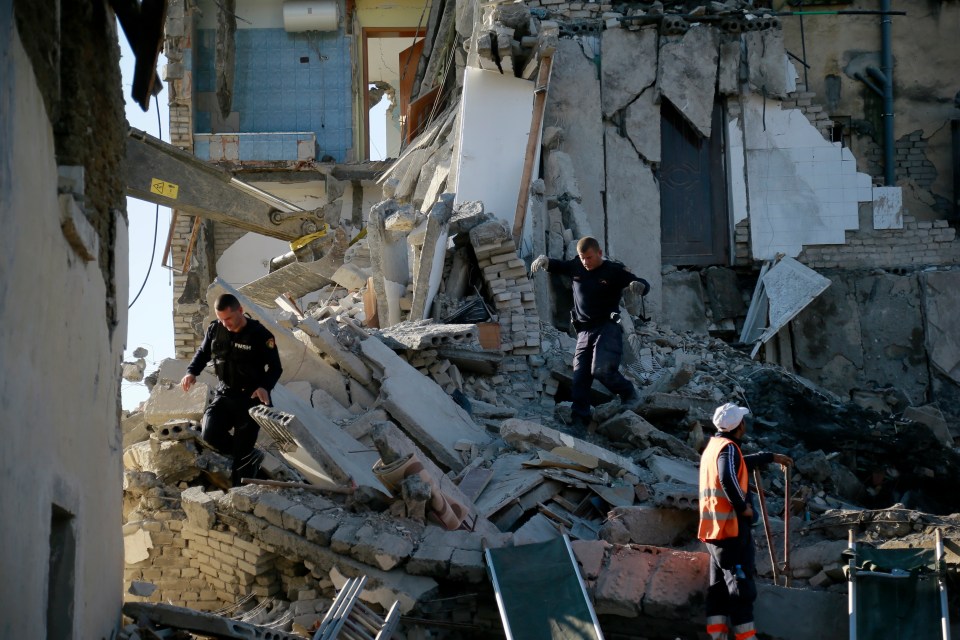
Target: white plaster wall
249 258
59 389
494 126
802 190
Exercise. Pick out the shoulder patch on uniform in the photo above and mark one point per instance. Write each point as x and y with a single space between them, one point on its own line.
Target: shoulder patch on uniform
271 343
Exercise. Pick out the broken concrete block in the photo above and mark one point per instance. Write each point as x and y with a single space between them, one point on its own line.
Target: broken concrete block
170 402
270 506
133 371
199 507
683 303
321 450
326 341
136 546
766 63
522 434
141 589
672 470
677 586
631 428
381 546
652 525
172 460
384 588
134 428
426 334
351 277
675 495
430 560
621 584
429 270
421 407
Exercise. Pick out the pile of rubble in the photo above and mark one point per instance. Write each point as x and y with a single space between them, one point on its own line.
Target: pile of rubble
400 454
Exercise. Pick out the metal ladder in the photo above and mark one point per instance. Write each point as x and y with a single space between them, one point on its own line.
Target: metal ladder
350 619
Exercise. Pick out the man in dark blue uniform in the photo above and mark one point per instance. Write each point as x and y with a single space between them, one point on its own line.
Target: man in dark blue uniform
247 363
597 287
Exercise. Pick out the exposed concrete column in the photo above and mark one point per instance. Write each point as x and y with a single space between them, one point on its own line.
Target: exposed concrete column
429 270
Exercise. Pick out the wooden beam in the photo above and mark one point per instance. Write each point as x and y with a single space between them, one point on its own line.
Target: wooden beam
533 139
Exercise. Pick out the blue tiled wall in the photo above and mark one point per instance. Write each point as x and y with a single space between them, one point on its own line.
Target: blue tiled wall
275 92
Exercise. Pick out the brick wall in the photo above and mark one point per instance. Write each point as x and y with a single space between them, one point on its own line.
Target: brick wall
803 101
917 244
178 73
559 9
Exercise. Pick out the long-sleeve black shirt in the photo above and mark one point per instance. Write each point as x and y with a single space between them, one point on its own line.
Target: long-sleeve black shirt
596 294
244 361
728 465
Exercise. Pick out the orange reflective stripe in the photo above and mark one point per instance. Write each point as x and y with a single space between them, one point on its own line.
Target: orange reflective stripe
717 628
752 633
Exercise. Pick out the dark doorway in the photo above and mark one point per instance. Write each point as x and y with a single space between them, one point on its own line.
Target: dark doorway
693 196
61 575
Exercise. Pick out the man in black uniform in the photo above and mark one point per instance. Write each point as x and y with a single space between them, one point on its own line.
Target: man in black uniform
597 286
246 361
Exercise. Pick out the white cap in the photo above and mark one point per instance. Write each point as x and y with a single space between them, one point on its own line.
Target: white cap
728 417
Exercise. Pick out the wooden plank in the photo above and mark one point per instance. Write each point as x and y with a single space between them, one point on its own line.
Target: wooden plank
533 141
476 480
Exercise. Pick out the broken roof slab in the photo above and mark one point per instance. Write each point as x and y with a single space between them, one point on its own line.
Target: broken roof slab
422 408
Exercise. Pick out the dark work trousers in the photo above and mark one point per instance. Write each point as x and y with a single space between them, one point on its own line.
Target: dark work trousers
226 412
598 356
728 595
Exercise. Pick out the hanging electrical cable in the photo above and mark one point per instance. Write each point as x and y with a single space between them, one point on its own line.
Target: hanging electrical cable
156 221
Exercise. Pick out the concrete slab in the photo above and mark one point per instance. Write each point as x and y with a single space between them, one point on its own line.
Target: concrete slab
627 67
728 76
723 294
941 311
891 313
789 287
429 271
510 481
672 470
573 104
766 62
642 124
523 435
688 74
637 241
645 524
425 412
297 278
829 352
170 402
683 307
324 441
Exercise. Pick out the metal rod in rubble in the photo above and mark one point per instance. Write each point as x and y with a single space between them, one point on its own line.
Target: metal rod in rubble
766 524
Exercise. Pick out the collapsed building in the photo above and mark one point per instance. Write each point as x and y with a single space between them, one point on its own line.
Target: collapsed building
675 134
678 136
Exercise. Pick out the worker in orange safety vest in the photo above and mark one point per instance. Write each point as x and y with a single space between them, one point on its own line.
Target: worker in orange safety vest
726 516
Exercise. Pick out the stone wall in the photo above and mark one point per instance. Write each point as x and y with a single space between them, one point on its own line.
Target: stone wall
63 302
